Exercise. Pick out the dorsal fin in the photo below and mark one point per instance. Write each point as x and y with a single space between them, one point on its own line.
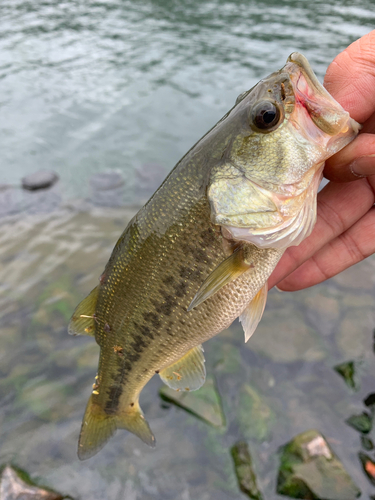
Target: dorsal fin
254 312
186 374
230 269
83 320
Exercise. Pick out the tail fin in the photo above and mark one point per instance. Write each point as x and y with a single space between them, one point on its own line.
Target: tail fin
98 427
136 423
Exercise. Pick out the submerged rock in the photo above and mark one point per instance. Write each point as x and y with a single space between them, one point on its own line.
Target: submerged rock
255 417
205 404
42 179
366 443
370 400
310 470
16 485
244 471
107 189
347 371
361 423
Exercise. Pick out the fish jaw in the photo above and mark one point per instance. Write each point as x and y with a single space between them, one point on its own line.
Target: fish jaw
317 115
270 198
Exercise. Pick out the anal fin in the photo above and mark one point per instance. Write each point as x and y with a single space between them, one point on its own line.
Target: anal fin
230 269
254 311
186 374
82 321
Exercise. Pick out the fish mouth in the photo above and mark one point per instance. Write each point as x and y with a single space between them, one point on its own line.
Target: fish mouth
317 115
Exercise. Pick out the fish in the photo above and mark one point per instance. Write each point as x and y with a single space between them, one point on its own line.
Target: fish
199 253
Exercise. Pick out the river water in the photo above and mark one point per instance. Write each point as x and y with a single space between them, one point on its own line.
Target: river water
90 86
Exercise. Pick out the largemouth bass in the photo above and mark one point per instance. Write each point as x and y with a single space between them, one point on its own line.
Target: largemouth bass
199 253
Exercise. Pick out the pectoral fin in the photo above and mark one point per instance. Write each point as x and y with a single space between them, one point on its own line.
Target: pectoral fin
230 269
254 312
83 320
186 374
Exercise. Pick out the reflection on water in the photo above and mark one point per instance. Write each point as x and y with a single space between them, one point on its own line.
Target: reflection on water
87 86
96 85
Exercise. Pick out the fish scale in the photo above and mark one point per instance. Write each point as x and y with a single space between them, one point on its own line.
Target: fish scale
199 253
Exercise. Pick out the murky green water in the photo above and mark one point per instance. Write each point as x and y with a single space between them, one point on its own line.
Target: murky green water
96 85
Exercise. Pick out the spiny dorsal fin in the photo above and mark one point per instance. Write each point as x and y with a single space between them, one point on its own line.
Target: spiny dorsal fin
254 312
83 320
186 374
230 269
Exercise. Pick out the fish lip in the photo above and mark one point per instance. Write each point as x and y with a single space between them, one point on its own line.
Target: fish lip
301 61
325 112
313 92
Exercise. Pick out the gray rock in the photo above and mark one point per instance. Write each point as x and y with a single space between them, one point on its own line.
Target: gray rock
14 487
107 189
42 179
310 470
105 181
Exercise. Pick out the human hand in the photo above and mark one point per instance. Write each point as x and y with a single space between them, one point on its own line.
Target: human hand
344 233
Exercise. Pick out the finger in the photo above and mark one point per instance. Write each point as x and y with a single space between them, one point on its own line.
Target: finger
350 78
340 206
349 248
355 160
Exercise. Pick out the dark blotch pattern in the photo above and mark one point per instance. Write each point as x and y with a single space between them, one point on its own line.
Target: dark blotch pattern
180 289
114 394
168 280
152 318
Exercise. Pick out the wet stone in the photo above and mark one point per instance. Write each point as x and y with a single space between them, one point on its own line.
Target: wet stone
205 403
370 400
16 485
42 179
244 471
107 189
361 423
347 371
366 443
106 181
310 470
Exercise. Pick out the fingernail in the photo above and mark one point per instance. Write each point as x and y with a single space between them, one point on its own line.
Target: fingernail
363 166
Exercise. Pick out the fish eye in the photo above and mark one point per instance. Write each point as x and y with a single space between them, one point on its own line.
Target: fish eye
265 116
